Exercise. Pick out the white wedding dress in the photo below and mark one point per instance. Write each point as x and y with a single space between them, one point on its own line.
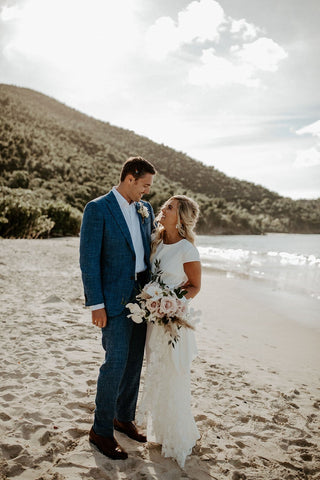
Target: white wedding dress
165 404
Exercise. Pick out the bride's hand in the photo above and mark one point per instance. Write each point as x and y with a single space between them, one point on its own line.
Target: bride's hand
99 317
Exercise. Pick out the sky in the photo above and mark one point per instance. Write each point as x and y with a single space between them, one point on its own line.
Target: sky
234 84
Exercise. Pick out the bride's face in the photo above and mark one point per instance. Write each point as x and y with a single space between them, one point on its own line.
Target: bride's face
169 214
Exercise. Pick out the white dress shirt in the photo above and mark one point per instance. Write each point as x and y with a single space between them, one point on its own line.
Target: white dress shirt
131 217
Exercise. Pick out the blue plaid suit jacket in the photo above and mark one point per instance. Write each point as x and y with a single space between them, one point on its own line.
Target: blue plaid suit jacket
107 257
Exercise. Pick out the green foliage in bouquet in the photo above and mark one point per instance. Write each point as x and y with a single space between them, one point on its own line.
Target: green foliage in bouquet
156 276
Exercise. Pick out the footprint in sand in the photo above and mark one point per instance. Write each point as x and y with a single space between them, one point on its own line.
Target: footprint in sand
10 451
52 299
37 417
310 419
238 476
14 470
317 404
97 473
306 457
77 433
240 444
29 429
301 442
280 419
88 407
4 417
91 382
8 397
200 417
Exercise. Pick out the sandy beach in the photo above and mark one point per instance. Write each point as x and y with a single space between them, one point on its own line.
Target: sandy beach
255 382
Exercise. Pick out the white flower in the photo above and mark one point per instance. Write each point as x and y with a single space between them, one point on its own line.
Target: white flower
133 307
137 313
136 318
153 290
143 211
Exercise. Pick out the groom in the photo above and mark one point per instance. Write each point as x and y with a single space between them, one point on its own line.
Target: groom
115 264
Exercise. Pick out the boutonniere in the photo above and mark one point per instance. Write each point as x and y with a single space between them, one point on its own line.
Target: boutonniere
143 211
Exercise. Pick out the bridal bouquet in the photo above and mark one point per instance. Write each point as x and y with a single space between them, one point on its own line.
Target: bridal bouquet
157 303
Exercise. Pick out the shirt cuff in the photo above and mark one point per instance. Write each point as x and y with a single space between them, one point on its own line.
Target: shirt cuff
96 307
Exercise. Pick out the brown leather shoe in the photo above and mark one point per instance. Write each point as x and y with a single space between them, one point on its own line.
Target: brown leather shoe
108 446
129 429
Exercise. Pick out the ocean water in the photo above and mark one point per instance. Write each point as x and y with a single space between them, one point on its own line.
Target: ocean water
290 262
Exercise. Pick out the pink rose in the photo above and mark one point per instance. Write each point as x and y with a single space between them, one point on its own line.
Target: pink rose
168 306
152 305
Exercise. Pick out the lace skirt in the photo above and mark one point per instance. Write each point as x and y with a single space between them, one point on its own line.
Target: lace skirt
165 406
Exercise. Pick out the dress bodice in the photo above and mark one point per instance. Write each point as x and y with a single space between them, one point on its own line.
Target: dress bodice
172 258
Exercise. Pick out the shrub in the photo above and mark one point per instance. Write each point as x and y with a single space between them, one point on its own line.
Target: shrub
25 214
66 219
19 179
21 218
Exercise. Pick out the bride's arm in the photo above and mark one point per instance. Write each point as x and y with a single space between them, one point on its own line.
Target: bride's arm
193 284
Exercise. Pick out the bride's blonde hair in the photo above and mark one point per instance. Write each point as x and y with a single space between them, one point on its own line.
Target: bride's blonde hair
188 214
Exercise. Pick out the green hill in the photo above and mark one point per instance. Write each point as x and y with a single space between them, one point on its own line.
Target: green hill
54 159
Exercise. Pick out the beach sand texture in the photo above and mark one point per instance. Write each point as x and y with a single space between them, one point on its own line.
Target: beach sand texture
255 383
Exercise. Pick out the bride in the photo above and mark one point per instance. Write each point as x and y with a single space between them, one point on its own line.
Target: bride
165 404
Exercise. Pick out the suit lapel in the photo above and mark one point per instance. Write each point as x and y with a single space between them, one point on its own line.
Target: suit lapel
117 214
146 244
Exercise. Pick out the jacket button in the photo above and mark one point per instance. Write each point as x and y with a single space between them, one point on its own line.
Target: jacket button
131 278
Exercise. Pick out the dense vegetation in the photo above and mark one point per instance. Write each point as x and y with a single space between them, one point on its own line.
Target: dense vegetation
54 159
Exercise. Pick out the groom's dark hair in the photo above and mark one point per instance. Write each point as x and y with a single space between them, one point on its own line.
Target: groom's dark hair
138 167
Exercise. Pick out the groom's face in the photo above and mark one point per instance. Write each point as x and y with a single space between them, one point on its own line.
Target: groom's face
139 187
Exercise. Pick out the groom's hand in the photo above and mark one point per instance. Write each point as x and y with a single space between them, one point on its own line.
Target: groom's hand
99 317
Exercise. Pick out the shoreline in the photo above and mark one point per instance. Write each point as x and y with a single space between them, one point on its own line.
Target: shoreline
256 320
255 382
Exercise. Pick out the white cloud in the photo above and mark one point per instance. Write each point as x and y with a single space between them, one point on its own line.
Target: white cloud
262 54
242 68
162 38
311 156
248 31
215 71
307 158
200 21
313 129
10 13
204 21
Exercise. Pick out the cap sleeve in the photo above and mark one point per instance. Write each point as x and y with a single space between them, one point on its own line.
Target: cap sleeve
190 253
